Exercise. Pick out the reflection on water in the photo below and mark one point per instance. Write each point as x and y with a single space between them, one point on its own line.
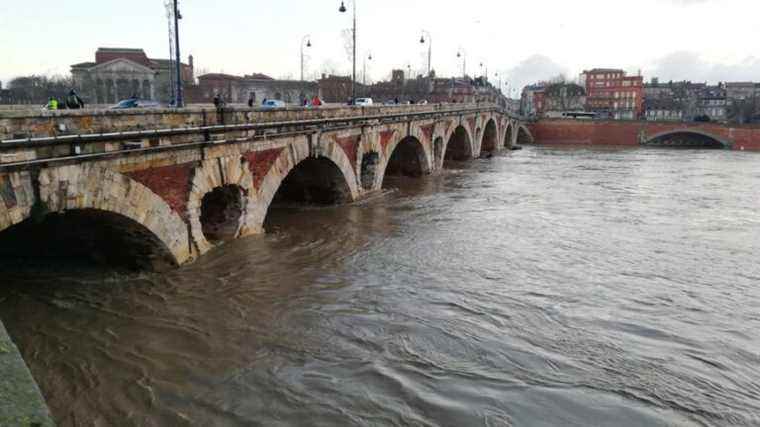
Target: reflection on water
545 287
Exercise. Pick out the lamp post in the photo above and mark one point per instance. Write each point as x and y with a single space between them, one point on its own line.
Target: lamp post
430 49
343 9
179 102
463 54
364 72
307 39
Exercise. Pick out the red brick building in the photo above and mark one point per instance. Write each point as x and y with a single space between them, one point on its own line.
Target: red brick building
612 92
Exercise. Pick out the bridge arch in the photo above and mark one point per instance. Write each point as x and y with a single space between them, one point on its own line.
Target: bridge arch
489 141
91 211
220 202
687 138
326 161
459 145
407 157
523 135
509 136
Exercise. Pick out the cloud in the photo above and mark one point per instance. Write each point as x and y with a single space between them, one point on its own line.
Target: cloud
687 65
534 69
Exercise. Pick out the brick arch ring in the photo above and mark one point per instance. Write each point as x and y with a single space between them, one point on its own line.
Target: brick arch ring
212 174
93 187
293 154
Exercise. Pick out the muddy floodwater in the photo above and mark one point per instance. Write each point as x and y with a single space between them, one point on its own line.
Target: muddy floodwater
545 287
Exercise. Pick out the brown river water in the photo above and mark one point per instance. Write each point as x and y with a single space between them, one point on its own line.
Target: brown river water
545 287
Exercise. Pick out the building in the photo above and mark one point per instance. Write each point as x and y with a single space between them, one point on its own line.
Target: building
741 91
532 100
562 97
611 92
118 74
336 88
712 104
743 99
257 87
663 109
429 88
684 95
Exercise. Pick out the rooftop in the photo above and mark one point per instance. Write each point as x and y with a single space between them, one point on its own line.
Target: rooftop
604 70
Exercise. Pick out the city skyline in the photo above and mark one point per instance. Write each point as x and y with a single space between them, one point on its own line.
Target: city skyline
531 48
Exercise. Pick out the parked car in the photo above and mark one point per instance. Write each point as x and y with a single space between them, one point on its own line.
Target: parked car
363 102
135 103
272 104
423 102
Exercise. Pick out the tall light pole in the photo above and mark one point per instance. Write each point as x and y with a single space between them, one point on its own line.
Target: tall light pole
343 9
430 49
463 54
179 101
307 39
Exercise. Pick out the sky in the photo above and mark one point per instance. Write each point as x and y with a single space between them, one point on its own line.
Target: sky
523 40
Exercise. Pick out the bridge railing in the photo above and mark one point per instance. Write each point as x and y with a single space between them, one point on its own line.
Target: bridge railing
35 150
22 125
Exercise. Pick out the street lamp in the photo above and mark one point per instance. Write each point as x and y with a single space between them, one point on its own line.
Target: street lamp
179 102
307 39
343 9
463 54
430 49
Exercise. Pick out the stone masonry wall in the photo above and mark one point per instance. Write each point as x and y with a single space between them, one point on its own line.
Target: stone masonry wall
745 137
20 124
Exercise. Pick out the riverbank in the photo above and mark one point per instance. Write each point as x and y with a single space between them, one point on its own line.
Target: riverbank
21 402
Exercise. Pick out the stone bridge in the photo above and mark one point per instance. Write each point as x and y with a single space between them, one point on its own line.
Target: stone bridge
161 187
603 132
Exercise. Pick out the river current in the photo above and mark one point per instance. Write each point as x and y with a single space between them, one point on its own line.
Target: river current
545 287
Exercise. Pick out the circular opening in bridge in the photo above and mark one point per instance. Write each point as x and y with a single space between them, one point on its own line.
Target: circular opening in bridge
407 159
508 137
459 148
222 213
686 140
489 138
82 238
370 162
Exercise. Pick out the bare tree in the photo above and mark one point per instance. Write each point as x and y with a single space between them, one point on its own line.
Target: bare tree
37 89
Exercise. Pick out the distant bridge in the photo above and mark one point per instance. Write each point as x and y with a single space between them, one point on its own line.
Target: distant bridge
153 187
681 134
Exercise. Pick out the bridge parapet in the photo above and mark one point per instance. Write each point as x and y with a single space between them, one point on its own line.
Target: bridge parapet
172 129
16 125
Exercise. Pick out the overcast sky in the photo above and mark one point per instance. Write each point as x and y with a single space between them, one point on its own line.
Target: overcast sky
525 40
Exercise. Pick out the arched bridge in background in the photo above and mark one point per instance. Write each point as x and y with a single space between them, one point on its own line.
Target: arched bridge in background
645 133
157 188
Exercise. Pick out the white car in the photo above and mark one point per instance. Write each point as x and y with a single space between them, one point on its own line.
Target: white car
272 104
363 102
